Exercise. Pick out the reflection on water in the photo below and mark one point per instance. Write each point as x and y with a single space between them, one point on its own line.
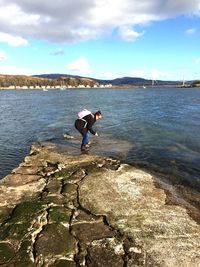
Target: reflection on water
155 127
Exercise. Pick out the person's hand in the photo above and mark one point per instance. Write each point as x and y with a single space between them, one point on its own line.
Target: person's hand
96 134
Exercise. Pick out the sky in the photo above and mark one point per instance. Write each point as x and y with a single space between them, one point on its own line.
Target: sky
103 39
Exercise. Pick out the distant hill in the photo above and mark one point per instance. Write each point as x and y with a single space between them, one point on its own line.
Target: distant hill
124 81
57 80
50 80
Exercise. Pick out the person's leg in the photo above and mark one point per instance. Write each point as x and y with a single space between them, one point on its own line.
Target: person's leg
85 140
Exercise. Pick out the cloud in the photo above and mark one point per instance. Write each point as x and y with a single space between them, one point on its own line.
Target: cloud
73 21
191 31
79 66
156 74
3 55
10 69
12 40
128 34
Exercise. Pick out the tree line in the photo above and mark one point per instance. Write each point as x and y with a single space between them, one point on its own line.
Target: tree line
22 80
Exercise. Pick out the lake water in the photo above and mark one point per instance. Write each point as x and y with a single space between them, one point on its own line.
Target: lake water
155 127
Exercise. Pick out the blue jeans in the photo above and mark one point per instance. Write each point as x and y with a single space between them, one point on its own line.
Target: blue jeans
85 140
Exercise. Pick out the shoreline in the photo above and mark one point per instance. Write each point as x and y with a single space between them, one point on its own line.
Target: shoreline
53 212
103 87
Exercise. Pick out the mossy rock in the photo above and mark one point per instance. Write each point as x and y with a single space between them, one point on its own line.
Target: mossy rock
56 199
5 213
63 263
63 174
26 211
59 214
23 257
20 221
15 231
55 240
53 186
69 189
7 252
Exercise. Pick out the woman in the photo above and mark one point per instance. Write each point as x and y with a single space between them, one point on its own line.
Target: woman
84 124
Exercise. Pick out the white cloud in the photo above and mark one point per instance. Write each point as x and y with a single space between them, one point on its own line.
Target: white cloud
191 31
3 55
10 69
79 66
128 34
156 74
12 40
73 21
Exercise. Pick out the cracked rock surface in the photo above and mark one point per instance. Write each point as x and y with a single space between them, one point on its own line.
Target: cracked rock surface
62 210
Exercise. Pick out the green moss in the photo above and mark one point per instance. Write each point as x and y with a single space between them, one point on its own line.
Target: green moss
23 258
63 263
6 253
16 231
26 210
63 174
59 214
20 221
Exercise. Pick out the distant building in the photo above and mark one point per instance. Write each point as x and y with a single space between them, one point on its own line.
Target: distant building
11 87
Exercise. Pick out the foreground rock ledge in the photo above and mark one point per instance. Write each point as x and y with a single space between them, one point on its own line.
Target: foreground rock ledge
62 210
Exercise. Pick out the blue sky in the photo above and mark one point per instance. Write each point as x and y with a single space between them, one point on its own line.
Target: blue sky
106 39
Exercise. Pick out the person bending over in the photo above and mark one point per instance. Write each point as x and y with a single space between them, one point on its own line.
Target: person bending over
84 124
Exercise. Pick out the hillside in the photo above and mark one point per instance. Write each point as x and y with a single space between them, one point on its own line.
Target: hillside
39 81
124 81
55 80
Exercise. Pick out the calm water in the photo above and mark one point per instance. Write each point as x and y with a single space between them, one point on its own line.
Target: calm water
156 127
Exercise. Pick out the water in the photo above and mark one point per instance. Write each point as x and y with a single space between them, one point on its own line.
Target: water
156 127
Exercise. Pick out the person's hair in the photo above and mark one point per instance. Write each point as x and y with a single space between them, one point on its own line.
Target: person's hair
98 113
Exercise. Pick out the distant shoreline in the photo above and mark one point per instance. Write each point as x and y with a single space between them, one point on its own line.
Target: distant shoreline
102 87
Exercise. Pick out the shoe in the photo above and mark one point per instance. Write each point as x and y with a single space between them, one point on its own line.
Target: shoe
84 148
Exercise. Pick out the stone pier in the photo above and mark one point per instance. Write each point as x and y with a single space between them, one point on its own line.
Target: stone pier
58 209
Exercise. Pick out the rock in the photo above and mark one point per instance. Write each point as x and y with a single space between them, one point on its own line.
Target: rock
102 253
54 241
59 209
132 203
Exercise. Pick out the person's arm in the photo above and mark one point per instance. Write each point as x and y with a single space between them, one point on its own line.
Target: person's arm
90 121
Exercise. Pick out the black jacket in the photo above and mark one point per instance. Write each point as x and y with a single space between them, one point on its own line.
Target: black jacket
85 124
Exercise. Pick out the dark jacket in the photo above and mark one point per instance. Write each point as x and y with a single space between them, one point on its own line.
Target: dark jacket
85 124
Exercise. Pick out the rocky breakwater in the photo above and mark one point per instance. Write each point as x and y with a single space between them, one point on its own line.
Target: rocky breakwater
62 210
